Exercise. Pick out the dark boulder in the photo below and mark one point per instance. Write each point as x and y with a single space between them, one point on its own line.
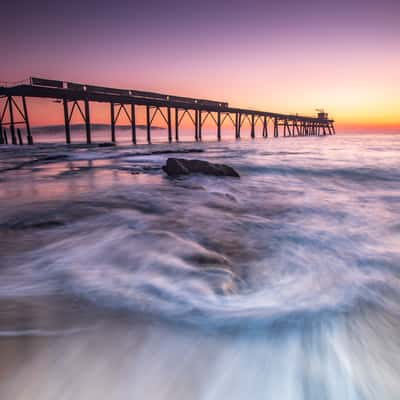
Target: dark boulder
182 166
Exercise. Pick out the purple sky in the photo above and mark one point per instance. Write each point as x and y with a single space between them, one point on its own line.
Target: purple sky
282 55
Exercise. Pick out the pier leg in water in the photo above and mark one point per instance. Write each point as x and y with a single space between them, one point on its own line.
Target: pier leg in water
66 122
176 125
133 123
112 118
253 129
297 129
236 125
196 125
276 129
87 122
219 125
265 133
5 136
169 124
148 123
27 125
12 127
200 124
19 137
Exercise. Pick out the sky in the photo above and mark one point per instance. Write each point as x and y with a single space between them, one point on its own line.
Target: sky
281 56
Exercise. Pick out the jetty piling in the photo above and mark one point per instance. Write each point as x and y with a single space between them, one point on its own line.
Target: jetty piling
27 125
148 124
12 125
19 137
169 124
66 122
112 118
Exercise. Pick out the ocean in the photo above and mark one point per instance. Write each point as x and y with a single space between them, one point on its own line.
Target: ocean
118 282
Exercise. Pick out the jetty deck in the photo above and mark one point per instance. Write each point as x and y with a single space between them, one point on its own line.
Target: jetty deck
76 98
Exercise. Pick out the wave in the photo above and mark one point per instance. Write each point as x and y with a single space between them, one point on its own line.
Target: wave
361 174
160 273
42 332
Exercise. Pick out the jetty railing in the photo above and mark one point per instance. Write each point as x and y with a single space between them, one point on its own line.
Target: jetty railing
76 97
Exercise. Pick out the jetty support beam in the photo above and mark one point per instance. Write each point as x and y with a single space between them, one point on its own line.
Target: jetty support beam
238 120
12 126
253 129
112 117
169 124
200 125
148 124
87 122
177 124
133 123
265 126
27 125
20 141
219 125
66 122
196 125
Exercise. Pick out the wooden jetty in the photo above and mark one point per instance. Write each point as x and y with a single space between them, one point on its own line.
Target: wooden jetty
76 97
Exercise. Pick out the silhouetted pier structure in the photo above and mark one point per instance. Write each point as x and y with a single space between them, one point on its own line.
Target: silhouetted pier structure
76 97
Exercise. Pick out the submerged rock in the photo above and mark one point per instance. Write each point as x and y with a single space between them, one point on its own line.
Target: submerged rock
182 166
106 144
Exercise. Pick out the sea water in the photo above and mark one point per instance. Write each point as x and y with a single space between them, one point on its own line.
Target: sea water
118 282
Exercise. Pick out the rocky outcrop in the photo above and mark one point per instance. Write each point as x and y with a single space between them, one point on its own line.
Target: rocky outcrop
182 166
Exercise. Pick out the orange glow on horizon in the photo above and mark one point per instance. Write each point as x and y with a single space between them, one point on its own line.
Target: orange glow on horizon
355 119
